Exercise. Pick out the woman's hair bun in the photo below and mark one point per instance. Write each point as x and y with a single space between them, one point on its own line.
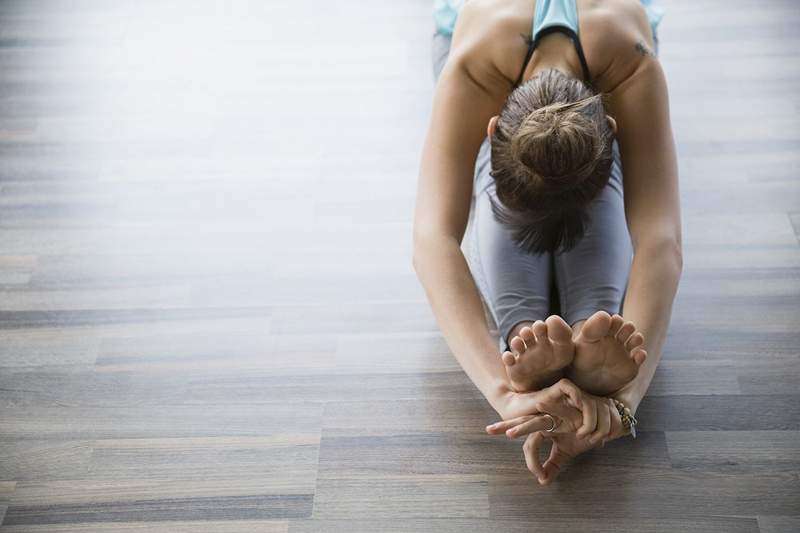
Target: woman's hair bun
551 155
558 143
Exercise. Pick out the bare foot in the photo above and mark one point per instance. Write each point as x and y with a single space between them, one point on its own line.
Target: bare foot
608 354
540 352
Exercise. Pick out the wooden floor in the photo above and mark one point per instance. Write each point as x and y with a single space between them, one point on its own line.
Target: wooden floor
208 315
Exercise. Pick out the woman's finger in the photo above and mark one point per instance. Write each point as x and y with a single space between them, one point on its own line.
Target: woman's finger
552 466
536 423
563 412
603 423
584 411
531 451
568 389
552 401
504 425
589 420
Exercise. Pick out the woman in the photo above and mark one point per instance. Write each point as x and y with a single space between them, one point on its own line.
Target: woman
541 108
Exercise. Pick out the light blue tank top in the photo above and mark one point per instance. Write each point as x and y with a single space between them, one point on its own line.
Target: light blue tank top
555 13
549 13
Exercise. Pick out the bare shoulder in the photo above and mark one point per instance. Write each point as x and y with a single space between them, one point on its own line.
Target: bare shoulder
621 18
490 40
620 38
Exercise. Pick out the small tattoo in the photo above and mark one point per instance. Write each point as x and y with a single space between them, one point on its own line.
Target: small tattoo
642 48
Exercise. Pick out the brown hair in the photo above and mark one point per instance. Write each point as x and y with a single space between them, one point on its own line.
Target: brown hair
551 155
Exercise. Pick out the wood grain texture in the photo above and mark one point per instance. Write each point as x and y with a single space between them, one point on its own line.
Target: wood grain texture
209 320
751 451
778 524
170 526
565 524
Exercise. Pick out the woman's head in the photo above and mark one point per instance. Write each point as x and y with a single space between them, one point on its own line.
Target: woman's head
551 155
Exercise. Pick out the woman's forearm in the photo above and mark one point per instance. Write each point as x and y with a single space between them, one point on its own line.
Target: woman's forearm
443 272
652 286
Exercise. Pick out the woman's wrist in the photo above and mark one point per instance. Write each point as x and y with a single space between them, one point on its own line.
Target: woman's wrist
510 403
629 396
499 396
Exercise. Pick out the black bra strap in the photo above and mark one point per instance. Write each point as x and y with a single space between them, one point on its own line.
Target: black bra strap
578 49
531 46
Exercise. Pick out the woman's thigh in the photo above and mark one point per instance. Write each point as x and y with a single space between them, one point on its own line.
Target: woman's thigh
594 274
514 284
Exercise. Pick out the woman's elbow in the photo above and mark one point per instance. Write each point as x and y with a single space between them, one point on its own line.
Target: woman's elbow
428 247
678 256
420 249
672 247
667 250
416 259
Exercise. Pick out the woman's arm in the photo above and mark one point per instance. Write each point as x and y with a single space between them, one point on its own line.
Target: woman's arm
640 106
469 92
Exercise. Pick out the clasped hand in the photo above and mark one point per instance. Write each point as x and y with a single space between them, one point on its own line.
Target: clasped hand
582 422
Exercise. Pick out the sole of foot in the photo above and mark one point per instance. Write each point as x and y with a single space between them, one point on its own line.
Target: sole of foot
608 354
539 354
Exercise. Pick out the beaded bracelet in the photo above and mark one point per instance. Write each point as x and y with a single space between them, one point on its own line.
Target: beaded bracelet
628 420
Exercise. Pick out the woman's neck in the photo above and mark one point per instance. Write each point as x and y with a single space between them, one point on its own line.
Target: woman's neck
555 51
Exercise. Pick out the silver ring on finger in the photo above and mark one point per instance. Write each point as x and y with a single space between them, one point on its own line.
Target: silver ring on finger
553 423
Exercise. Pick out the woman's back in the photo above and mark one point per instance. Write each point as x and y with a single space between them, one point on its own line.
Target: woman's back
493 37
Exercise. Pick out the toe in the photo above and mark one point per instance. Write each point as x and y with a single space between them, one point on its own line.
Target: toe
540 330
517 345
596 326
558 330
639 355
625 332
527 336
637 339
616 322
509 359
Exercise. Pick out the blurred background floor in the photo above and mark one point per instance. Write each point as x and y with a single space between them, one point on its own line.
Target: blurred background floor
208 316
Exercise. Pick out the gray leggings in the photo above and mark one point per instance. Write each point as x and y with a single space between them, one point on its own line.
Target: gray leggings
517 286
